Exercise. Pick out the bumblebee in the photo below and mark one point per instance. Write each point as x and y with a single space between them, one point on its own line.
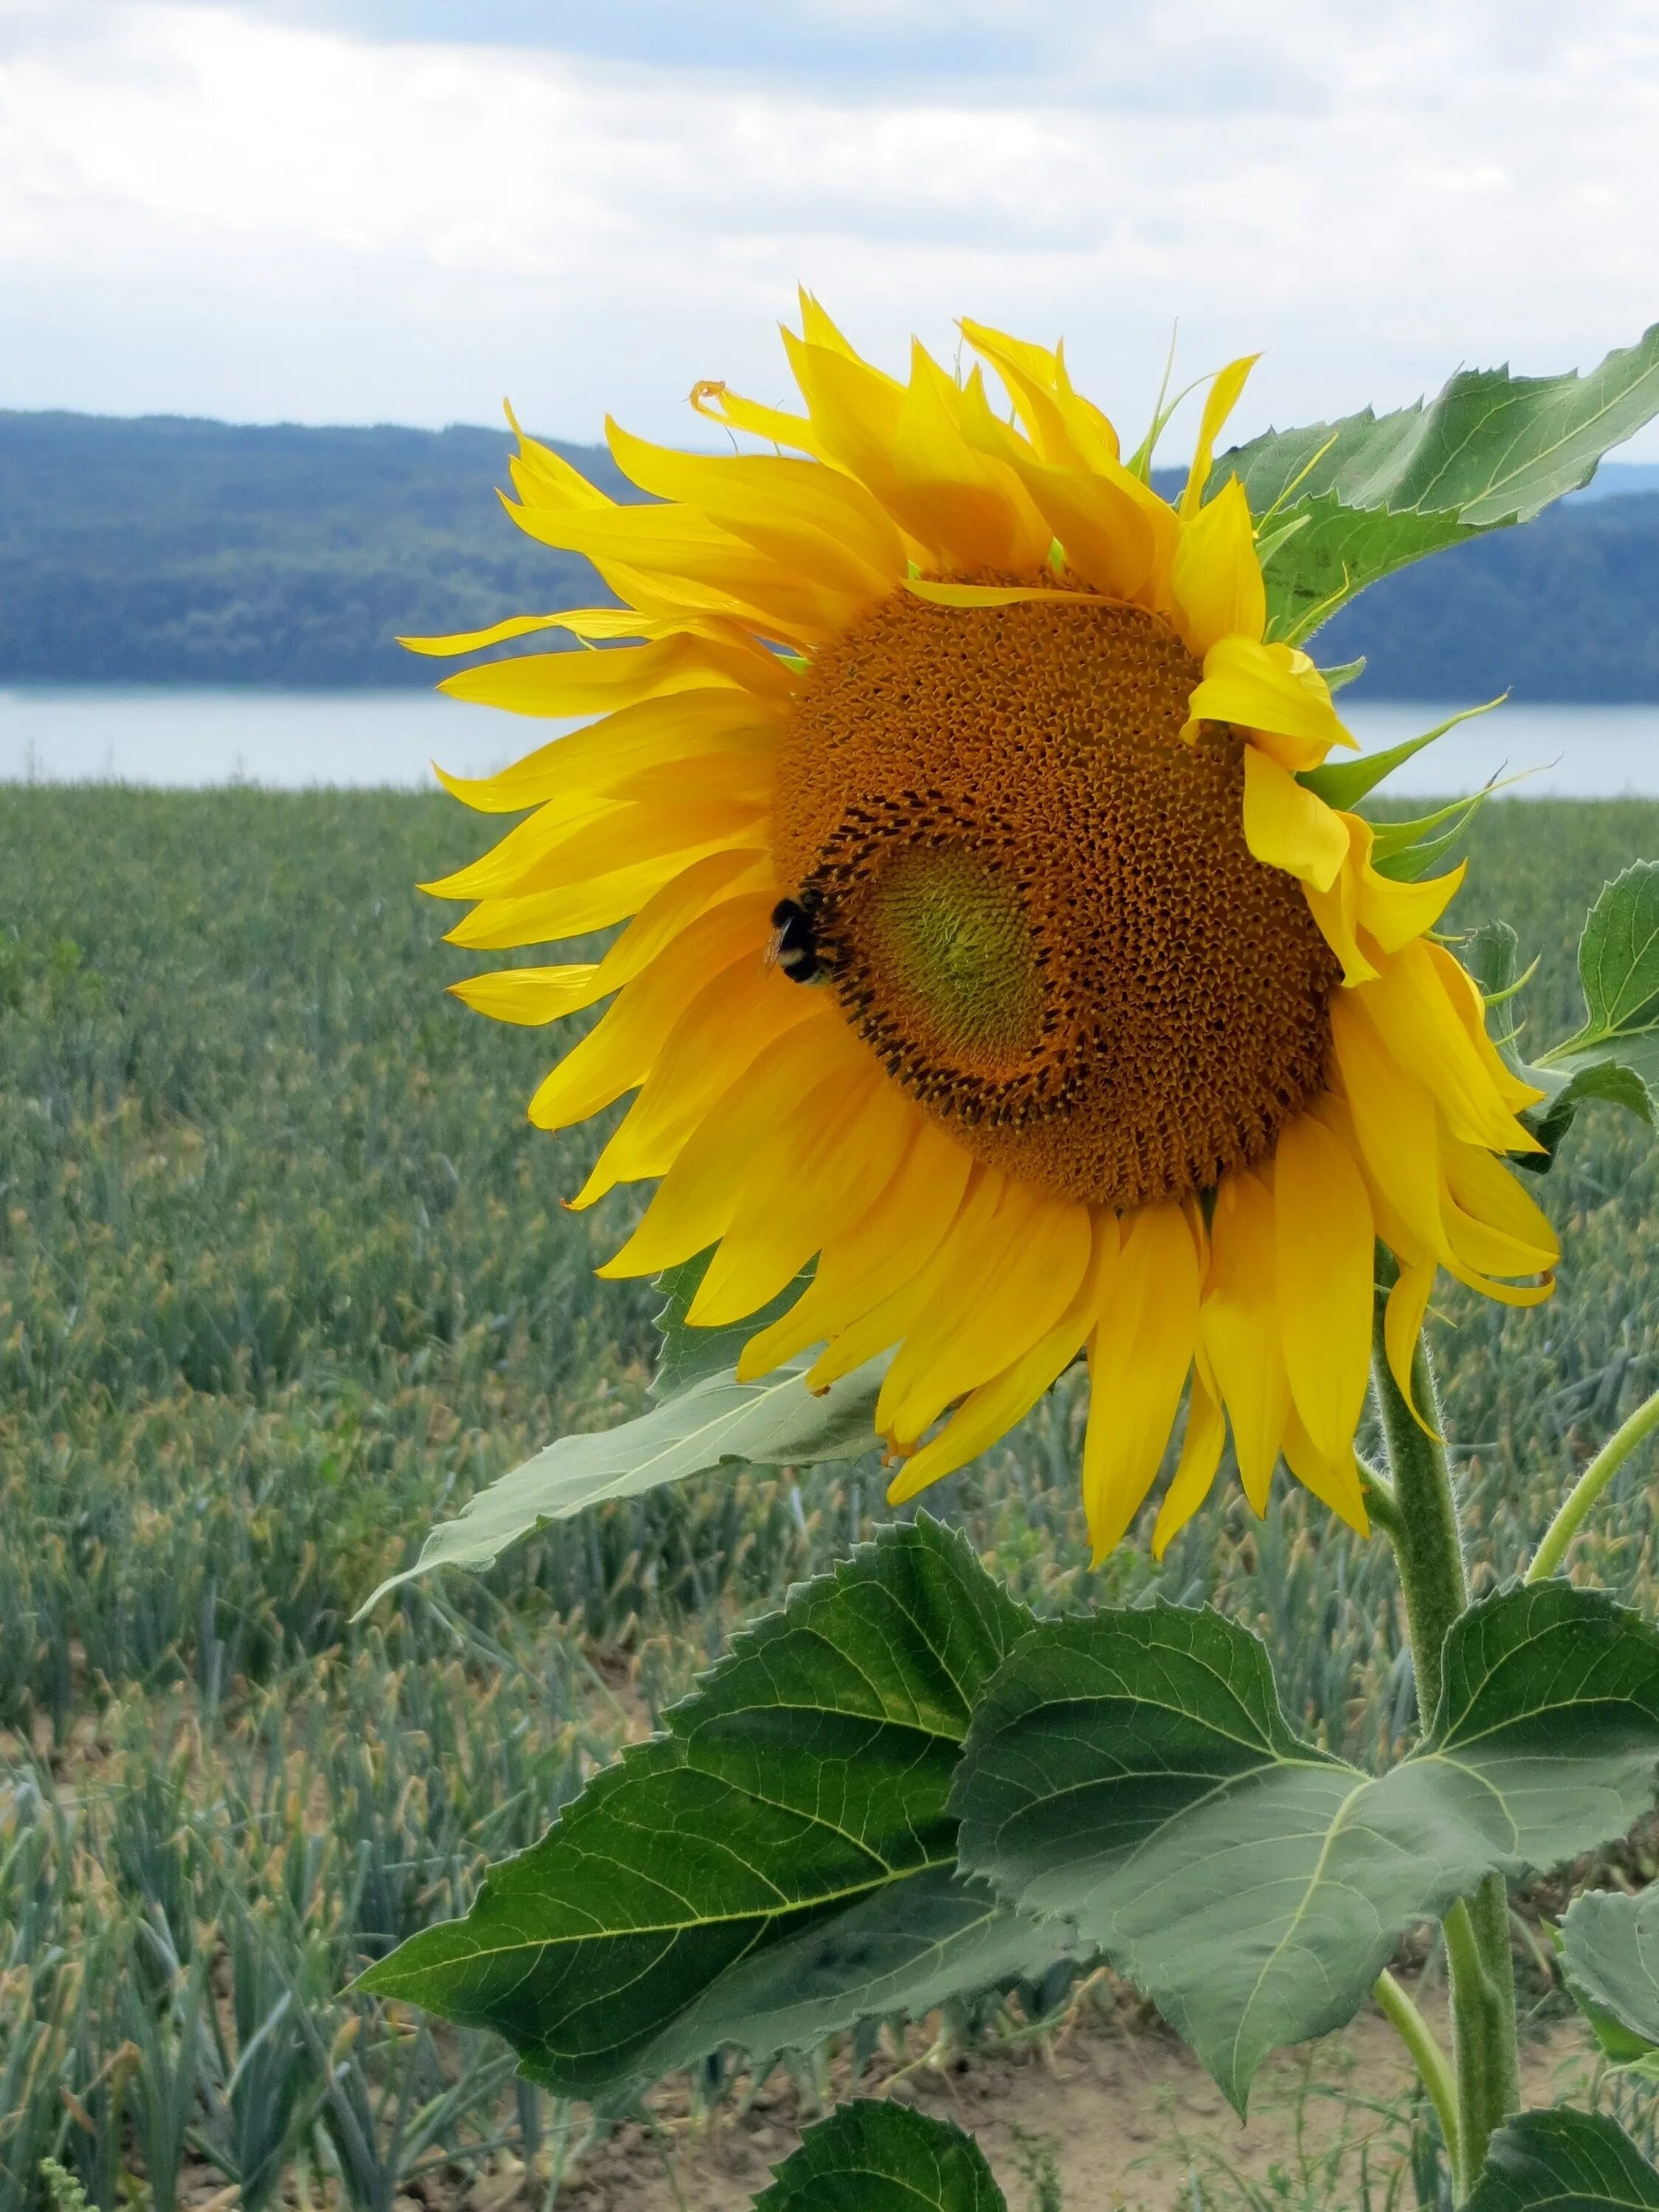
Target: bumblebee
793 944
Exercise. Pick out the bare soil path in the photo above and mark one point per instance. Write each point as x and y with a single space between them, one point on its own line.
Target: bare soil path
1126 2114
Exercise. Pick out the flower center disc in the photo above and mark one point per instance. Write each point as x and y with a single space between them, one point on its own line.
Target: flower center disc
1036 902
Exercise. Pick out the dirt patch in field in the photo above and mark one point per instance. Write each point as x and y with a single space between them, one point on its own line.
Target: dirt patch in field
1124 2114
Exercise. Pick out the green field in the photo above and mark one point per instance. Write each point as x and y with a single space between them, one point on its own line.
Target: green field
283 1277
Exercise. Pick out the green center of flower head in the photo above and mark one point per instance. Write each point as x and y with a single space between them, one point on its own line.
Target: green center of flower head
954 945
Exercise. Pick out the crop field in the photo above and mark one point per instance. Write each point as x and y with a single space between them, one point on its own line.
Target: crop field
284 1276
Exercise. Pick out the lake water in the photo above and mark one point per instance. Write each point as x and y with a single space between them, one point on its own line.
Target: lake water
289 740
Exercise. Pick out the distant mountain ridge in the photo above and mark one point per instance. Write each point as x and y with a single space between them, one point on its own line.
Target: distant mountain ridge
166 550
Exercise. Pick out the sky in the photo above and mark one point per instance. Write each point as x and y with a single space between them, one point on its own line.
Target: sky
337 210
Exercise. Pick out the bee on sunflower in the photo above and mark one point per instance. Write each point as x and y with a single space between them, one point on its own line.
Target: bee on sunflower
990 945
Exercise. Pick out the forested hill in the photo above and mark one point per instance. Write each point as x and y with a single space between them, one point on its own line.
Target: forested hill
163 550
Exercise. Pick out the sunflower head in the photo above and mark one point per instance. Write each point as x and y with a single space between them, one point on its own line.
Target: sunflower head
989 950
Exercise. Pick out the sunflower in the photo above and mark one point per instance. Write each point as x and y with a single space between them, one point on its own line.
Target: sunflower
986 949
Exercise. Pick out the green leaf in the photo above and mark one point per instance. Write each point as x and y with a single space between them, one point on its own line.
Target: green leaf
1340 549
1614 1056
1406 850
776 1422
690 1355
781 1863
1610 1953
1492 954
873 2157
1492 448
1344 783
1352 500
1346 672
1611 1081
1619 955
1567 2161
1133 1773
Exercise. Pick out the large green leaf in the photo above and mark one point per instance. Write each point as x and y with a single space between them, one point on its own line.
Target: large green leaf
776 1422
1133 1773
1335 552
1364 496
879 2157
778 1865
1564 2161
1491 448
1610 1950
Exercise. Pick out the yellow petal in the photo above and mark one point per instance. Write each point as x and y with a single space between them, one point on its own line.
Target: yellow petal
1030 374
1488 1189
1333 1478
590 683
854 410
1287 826
741 779
788 508
542 854
1274 692
719 403
677 540
939 594
1419 1021
863 1263
530 996
749 1126
1394 1121
495 873
1224 395
1403 1324
1393 913
1240 1330
725 1028
588 622
1105 531
1215 575
1200 1456
618 1052
1007 1294
544 477
992 1408
1336 912
972 509
1142 1349
705 884
572 910
683 726
839 1148
894 1316
1470 1008
1325 1237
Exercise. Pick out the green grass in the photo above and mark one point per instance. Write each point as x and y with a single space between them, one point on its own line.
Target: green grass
284 1276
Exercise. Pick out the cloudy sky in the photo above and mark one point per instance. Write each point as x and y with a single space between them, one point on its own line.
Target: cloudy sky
337 210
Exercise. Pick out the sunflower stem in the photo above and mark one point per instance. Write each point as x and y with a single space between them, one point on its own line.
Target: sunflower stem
1428 1543
1418 2039
1548 1560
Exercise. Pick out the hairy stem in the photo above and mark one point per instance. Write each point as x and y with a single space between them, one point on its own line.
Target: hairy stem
1588 1487
1428 1544
1430 2059
1484 2044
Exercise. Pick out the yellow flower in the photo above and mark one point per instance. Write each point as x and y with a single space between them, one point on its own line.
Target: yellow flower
984 946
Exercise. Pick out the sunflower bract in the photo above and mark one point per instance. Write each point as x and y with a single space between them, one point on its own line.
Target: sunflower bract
986 949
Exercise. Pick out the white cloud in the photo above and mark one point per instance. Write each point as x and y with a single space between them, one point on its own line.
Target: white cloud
234 211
